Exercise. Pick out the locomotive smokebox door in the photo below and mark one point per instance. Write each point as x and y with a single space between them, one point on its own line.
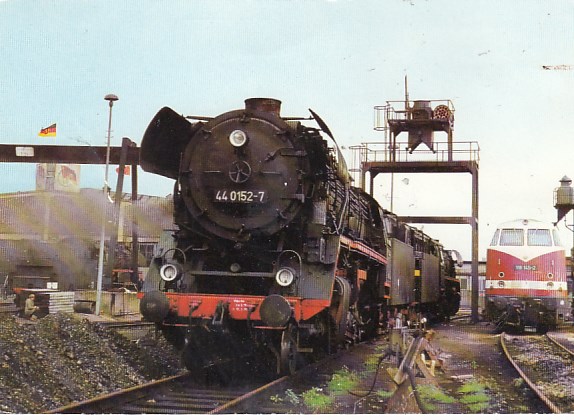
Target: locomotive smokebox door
242 174
163 143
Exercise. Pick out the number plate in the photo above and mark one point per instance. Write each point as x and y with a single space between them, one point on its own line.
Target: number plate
525 267
240 196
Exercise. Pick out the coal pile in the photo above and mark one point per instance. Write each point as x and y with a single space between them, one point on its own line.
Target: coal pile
63 358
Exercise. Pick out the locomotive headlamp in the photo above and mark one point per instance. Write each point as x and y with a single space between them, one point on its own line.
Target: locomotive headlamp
284 277
170 272
238 138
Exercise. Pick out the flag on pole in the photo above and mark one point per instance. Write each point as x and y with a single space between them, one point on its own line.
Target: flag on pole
49 131
127 170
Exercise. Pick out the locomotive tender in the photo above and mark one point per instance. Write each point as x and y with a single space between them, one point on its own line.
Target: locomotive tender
525 283
276 253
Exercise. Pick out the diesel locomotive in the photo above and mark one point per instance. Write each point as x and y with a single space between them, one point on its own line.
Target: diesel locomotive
276 254
526 280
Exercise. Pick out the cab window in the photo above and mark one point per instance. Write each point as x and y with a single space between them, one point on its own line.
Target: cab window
556 236
539 237
494 241
512 237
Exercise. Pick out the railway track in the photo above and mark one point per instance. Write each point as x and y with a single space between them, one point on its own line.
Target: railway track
174 395
134 330
180 394
546 366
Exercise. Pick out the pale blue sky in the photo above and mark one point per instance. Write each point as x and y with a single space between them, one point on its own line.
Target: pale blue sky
59 58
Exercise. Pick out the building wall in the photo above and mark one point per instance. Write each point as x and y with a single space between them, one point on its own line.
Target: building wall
58 233
464 275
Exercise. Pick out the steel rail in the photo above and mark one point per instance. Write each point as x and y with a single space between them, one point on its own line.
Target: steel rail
551 406
236 401
77 406
559 345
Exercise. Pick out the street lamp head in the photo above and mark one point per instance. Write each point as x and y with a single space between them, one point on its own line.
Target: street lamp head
111 98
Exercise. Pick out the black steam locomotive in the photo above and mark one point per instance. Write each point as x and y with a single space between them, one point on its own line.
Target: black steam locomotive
277 254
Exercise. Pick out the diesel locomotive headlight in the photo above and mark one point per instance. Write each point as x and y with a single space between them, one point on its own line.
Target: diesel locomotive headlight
284 277
237 138
170 272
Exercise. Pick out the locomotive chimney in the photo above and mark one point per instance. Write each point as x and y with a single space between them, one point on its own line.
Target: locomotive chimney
272 106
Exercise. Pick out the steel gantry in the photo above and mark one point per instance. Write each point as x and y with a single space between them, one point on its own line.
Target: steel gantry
421 120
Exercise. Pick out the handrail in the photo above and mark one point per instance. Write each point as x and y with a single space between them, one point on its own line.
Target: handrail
385 152
392 111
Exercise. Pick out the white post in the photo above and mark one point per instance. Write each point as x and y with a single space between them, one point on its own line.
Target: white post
111 99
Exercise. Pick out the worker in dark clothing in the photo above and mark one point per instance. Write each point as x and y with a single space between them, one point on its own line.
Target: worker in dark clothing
30 308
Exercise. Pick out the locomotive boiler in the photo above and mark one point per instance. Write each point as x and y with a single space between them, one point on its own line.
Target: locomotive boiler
276 253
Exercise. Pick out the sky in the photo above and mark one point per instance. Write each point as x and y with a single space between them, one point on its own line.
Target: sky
507 66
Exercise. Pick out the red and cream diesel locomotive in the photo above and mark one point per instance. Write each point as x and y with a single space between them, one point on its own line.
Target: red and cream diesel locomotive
525 284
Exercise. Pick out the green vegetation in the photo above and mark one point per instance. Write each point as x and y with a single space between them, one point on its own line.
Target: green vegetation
315 400
323 400
471 387
430 394
343 381
371 363
290 396
384 394
474 396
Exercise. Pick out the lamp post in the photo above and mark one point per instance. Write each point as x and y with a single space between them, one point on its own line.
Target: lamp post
111 98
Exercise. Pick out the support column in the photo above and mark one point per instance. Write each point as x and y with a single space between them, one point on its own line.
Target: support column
474 267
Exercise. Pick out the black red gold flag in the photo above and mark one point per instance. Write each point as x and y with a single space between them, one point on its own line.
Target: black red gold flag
49 131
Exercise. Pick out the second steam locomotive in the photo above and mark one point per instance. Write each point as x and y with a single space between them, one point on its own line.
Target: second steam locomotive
276 254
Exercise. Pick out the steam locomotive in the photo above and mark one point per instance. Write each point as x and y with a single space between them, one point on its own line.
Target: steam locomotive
276 254
526 282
